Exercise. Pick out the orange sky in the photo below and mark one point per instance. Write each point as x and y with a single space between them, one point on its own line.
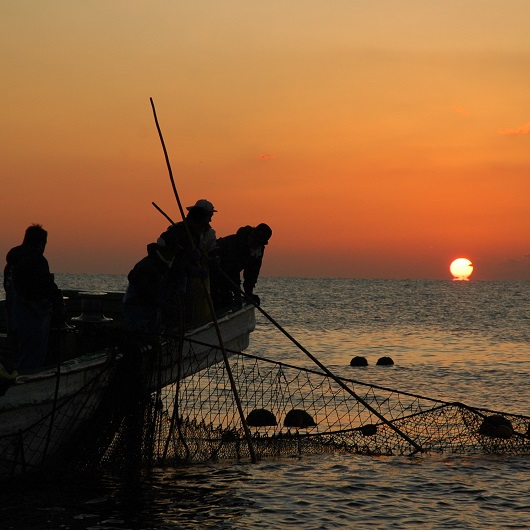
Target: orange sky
378 139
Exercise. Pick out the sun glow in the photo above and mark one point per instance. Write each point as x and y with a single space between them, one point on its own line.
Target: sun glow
461 269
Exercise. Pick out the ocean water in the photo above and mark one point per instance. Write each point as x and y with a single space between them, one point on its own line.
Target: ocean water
457 341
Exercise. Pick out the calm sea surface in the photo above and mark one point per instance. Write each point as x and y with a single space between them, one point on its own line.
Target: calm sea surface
458 341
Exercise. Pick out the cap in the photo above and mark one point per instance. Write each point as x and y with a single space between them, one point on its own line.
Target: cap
204 204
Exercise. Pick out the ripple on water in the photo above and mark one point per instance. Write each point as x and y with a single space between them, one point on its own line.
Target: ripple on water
464 343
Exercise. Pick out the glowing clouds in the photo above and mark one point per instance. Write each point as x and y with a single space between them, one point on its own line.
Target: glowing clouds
523 129
461 269
460 110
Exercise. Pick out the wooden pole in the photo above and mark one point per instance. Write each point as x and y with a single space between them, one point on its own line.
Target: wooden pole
317 362
163 213
246 429
167 161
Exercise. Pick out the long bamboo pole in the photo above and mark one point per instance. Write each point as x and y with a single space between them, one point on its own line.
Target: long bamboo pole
246 429
166 156
324 368
163 213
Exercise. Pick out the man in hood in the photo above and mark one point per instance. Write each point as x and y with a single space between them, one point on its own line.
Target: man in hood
33 300
241 252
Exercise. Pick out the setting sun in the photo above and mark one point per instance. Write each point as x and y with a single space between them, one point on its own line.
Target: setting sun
276 113
461 269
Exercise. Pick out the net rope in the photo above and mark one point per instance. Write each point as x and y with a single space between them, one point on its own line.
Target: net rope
289 411
293 411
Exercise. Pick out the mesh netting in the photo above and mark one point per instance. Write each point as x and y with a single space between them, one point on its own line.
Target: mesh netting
254 409
291 411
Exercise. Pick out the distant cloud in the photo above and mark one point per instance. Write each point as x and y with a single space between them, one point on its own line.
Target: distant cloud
524 259
460 110
266 156
517 268
524 129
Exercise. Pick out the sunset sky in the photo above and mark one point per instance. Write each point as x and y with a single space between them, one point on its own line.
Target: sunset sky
378 139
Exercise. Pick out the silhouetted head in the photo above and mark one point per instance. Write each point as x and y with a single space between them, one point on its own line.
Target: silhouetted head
36 236
198 218
205 205
260 235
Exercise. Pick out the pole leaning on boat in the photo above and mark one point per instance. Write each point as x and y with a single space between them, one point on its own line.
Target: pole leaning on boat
417 447
246 429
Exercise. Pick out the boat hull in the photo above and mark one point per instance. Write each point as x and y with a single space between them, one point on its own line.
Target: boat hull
40 413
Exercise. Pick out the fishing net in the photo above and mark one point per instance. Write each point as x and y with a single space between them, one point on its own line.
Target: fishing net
290 410
153 410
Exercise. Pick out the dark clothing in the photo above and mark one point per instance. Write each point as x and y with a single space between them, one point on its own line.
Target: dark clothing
29 270
33 302
159 294
148 277
235 257
193 261
151 297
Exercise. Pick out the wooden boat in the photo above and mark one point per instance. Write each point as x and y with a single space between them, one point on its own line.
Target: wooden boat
41 412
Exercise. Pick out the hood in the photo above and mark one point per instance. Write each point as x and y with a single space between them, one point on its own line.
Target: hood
21 252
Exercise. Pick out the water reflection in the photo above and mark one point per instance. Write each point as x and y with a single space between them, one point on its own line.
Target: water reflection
437 364
450 340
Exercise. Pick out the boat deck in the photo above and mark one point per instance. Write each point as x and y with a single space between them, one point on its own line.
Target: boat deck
91 316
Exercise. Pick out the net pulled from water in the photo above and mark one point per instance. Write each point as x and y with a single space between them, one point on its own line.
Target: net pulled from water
290 410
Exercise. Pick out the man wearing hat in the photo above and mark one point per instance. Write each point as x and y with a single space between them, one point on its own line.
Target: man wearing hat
208 238
204 204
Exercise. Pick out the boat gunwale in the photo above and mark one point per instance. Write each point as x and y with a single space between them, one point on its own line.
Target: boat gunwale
86 362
